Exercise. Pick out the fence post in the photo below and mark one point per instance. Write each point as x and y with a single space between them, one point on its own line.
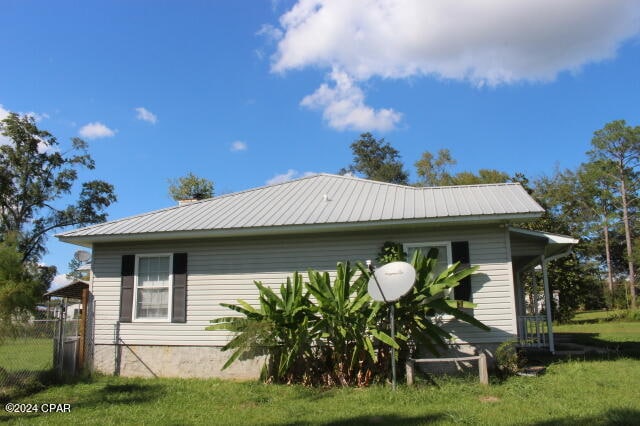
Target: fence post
482 369
118 354
83 328
60 351
410 371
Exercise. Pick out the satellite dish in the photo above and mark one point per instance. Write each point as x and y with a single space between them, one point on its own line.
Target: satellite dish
82 256
391 281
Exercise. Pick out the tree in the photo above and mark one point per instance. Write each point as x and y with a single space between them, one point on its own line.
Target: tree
482 177
576 276
20 287
586 201
190 187
377 160
435 171
34 175
618 146
76 272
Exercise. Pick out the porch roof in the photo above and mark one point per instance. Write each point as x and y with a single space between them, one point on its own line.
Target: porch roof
527 245
71 291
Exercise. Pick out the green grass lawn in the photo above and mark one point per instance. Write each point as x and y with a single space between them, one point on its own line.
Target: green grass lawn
571 392
620 336
26 354
594 316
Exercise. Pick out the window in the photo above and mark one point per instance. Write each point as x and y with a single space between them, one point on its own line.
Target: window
153 287
448 253
444 256
444 253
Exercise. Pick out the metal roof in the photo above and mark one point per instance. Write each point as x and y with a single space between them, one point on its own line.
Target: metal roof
556 245
319 201
71 291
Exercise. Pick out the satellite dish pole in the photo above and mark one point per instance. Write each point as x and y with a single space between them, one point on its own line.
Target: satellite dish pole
391 321
397 279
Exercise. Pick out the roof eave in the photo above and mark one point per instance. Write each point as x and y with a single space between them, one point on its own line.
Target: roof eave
551 237
89 240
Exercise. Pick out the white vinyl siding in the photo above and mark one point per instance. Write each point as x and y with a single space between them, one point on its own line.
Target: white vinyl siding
223 271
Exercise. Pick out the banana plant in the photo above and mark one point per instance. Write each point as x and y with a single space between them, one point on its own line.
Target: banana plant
346 321
334 329
416 311
280 326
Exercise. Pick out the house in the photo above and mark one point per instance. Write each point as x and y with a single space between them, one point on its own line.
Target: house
159 277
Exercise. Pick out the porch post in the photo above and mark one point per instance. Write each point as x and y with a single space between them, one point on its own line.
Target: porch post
520 306
547 303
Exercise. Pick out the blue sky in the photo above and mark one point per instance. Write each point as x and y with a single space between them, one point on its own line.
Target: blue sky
246 93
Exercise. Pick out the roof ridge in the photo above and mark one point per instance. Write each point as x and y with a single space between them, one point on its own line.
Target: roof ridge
483 185
352 177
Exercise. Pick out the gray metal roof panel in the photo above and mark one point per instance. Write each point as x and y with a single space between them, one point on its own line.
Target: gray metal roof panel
302 202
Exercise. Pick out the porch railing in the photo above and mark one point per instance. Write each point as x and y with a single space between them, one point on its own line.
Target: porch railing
532 331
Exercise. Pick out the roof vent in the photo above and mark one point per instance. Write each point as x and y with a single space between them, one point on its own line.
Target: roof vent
188 201
325 197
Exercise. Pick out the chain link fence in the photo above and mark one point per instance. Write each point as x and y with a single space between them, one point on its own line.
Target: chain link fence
27 352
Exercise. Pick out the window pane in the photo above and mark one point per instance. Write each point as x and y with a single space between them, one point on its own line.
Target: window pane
153 272
443 260
152 303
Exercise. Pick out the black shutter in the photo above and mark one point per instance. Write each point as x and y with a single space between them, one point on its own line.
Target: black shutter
126 287
460 253
179 296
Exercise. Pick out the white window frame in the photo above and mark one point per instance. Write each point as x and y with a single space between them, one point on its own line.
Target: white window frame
135 289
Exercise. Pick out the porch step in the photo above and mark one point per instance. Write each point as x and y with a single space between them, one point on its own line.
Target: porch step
532 371
563 338
567 348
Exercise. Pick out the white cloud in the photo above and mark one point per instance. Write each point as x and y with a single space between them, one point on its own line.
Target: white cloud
489 42
37 116
59 280
3 114
238 146
146 115
95 130
289 175
344 108
272 33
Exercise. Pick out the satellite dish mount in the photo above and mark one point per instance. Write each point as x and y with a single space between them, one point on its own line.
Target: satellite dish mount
388 284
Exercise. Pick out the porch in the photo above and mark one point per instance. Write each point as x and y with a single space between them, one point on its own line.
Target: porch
531 251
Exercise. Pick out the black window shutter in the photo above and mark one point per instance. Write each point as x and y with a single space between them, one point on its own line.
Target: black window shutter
460 253
179 297
126 287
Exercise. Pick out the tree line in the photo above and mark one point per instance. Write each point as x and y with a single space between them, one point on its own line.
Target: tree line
596 202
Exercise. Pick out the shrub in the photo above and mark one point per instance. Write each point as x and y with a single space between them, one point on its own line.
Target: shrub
508 359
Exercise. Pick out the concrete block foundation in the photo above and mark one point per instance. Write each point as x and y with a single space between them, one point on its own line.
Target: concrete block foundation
173 361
